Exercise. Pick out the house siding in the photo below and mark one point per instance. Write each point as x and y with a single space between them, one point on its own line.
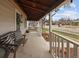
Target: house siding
8 17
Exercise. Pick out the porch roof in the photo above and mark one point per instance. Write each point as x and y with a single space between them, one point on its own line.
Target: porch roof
36 9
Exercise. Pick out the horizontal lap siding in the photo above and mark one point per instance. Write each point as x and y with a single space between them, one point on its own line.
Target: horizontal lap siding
7 17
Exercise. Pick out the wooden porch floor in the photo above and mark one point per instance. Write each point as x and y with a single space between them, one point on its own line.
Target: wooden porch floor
35 47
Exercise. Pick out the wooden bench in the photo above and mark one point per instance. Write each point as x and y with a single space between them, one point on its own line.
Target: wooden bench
10 42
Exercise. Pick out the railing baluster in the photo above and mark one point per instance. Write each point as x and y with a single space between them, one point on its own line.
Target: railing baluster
75 51
62 48
58 46
68 50
53 43
55 46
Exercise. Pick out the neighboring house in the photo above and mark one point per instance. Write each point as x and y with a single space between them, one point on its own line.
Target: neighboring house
10 13
33 25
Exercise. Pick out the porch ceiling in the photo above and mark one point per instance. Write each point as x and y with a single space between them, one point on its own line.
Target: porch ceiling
36 9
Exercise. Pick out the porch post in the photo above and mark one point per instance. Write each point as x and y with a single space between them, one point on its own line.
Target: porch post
44 21
50 31
42 25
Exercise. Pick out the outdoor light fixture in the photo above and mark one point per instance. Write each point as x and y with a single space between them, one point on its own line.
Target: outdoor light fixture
71 1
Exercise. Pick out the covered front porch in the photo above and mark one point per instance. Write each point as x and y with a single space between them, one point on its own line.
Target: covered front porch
35 46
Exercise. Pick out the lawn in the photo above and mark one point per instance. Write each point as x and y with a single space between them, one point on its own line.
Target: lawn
69 35
45 30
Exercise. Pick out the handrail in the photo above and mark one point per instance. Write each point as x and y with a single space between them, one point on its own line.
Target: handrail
67 39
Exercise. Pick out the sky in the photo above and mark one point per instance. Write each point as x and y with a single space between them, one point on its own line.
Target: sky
71 11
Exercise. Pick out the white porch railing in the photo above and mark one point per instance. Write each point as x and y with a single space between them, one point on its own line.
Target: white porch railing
63 47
